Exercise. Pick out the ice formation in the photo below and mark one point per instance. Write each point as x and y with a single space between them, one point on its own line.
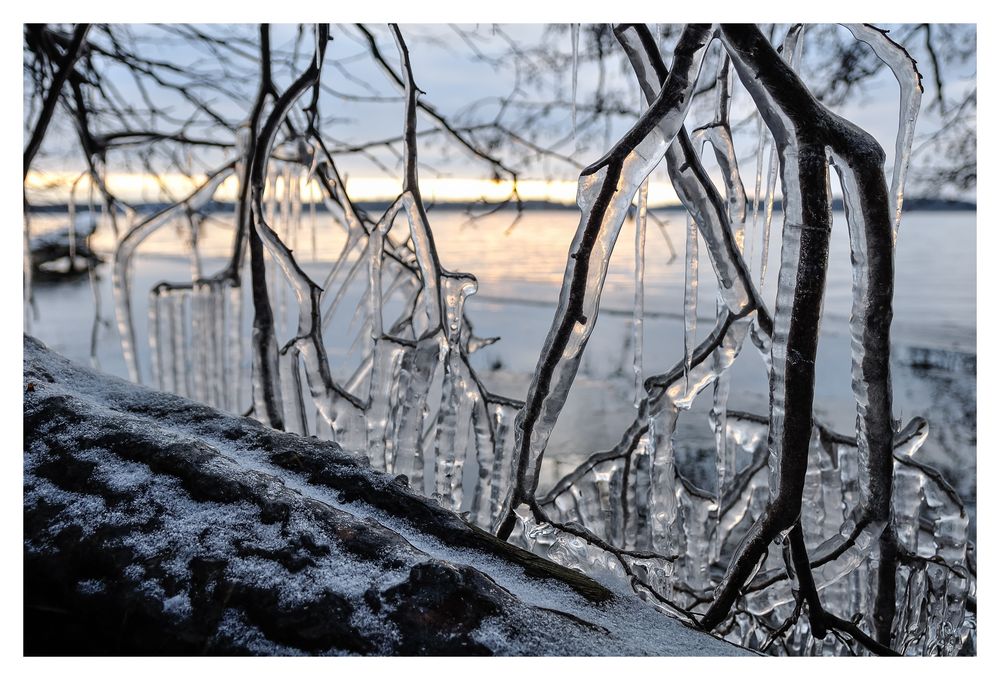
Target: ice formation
639 303
574 30
876 533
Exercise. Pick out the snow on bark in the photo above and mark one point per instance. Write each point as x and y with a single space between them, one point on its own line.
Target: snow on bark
215 534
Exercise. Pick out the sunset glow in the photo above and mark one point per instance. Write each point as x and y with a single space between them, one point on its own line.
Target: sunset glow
54 187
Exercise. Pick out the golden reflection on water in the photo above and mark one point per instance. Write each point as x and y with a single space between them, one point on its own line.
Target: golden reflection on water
935 262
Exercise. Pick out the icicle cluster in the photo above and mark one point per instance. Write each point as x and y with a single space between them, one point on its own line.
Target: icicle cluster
630 513
406 396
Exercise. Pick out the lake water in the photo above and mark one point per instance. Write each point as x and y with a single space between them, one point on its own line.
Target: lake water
520 270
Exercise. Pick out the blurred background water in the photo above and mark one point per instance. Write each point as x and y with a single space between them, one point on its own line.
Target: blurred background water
520 268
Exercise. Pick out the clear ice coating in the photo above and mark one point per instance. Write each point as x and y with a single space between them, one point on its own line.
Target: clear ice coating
639 304
690 295
605 192
910 91
574 30
121 269
408 398
791 53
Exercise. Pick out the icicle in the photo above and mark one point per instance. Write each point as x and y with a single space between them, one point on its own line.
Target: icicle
457 393
291 391
690 294
170 368
416 375
765 237
638 307
904 68
194 227
477 504
121 275
759 164
812 495
604 194
575 40
72 225
907 494
313 224
791 53
698 551
234 342
724 455
95 289
663 483
385 377
301 178
182 368
503 415
280 221
155 343
211 316
28 301
219 363
199 342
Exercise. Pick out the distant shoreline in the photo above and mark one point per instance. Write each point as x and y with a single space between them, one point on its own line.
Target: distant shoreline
376 207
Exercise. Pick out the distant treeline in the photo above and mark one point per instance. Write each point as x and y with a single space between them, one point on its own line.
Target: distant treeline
376 207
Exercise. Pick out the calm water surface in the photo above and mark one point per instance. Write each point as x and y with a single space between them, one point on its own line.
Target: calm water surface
520 271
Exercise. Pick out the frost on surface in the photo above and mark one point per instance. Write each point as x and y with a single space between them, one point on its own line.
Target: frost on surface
884 544
208 525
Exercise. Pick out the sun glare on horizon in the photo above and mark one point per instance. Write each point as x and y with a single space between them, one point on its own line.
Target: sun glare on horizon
55 187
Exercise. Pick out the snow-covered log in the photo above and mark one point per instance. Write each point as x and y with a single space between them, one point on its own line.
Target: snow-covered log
153 524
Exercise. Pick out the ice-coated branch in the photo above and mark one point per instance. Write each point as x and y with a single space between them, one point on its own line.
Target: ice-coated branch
267 386
719 134
666 395
121 267
248 144
695 190
628 513
800 559
655 386
905 441
911 89
606 190
803 131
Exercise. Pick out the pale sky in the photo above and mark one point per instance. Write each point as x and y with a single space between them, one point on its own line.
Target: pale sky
447 70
